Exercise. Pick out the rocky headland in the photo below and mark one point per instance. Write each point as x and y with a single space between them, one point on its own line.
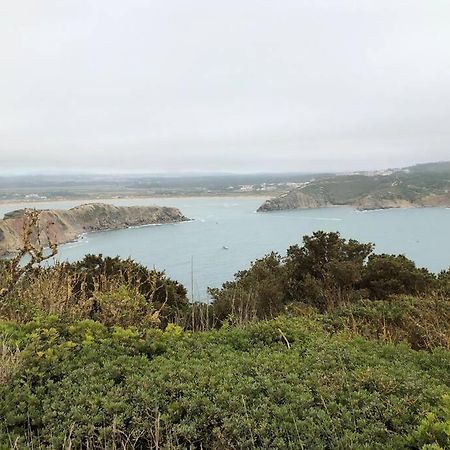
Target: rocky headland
413 187
61 226
295 199
301 200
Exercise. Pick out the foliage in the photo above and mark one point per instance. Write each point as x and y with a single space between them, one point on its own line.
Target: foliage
284 383
423 322
9 360
444 283
434 428
387 275
89 288
97 271
255 293
326 270
125 308
97 354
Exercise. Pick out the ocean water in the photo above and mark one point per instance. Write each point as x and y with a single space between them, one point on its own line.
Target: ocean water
423 235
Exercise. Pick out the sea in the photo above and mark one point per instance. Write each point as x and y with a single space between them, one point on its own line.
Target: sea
226 233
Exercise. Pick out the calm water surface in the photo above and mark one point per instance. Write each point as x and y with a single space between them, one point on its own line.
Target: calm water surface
423 235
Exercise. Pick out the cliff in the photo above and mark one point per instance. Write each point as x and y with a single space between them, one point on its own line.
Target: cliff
373 202
294 200
62 226
418 186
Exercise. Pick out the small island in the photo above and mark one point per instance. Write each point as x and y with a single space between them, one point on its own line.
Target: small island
61 226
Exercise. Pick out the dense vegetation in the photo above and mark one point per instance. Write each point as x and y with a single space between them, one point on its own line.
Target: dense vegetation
410 184
284 383
330 346
341 278
422 185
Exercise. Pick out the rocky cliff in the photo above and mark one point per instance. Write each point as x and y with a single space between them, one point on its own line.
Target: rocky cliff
63 226
405 188
373 202
294 200
301 200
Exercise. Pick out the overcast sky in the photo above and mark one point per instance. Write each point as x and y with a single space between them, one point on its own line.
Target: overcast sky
223 85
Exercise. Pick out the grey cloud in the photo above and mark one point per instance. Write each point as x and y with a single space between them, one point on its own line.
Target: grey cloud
180 85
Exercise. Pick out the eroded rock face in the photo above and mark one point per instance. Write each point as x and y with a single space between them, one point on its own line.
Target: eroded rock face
437 200
374 202
299 200
62 226
295 199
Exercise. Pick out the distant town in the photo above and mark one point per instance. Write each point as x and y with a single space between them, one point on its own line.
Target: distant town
32 188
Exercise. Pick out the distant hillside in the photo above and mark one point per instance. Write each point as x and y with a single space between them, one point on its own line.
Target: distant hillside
417 186
433 167
94 187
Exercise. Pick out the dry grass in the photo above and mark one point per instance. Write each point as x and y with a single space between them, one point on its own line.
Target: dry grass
9 360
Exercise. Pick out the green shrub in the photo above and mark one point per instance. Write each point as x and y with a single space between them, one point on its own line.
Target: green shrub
285 383
124 307
76 290
433 431
424 322
256 293
387 275
326 272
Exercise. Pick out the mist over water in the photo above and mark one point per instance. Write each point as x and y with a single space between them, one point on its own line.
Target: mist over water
421 234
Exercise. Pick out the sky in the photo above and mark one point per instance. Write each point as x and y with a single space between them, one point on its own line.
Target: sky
214 85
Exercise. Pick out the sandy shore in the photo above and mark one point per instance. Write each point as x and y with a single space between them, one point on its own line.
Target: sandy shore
133 198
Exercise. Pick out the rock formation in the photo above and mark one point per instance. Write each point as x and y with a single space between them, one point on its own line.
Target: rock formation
414 187
62 226
295 199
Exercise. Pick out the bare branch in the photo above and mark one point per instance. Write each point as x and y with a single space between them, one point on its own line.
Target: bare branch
32 248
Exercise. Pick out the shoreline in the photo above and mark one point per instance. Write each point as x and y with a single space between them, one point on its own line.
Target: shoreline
355 208
82 201
255 196
85 234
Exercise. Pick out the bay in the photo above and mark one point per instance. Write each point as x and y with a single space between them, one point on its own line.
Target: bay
197 247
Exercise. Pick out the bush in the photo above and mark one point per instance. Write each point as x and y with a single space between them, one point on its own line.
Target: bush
280 384
423 322
9 360
75 290
387 275
82 364
327 273
444 283
433 431
124 307
256 293
326 270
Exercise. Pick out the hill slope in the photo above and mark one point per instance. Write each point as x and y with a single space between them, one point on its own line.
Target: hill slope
417 186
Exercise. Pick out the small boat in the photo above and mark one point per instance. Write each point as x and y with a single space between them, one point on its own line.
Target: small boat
224 247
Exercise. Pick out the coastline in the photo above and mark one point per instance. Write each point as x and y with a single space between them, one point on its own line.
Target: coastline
133 198
71 225
83 236
255 196
86 234
368 210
